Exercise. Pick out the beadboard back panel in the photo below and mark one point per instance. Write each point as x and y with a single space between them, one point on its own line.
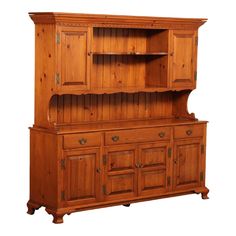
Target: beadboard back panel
106 107
129 40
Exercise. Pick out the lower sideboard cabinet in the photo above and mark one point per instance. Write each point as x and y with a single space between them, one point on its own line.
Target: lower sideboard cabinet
91 170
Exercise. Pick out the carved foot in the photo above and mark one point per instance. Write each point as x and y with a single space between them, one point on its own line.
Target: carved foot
57 218
204 191
126 205
204 195
32 207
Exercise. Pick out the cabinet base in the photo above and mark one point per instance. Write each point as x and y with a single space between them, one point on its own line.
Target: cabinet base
58 214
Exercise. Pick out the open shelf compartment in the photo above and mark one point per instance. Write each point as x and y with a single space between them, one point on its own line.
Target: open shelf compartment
126 58
130 41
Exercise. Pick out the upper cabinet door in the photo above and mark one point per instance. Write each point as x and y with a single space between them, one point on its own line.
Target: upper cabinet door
183 51
73 58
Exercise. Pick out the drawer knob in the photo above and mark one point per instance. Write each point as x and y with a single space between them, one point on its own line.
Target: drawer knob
139 165
82 141
189 132
115 138
161 134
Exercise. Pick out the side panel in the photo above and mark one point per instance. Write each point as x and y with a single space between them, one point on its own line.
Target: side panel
44 71
43 169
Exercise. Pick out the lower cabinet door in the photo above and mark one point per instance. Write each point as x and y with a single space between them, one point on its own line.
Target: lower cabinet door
120 172
153 165
187 164
81 176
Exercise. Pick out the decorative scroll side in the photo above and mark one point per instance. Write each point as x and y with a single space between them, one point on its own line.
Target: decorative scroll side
180 105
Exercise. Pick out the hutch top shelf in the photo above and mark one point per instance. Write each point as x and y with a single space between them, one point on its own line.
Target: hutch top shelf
94 56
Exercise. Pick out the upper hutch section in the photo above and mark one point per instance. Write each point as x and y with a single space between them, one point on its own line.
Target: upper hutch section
97 54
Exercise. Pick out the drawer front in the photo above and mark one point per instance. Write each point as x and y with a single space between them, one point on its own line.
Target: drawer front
137 135
188 131
82 140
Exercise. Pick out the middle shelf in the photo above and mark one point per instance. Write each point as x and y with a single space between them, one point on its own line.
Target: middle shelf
131 53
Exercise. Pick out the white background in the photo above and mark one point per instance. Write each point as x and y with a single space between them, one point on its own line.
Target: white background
214 100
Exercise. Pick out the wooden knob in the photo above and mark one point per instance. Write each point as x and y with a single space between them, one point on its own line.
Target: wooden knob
83 141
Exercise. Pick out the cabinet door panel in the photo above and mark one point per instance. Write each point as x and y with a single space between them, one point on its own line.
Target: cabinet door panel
74 59
153 161
187 162
121 184
153 180
120 172
183 48
81 176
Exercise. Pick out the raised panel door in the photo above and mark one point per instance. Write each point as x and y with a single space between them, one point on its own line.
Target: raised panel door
187 164
183 50
120 180
153 168
81 176
74 58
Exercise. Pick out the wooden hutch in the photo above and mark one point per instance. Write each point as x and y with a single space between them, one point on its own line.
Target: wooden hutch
111 121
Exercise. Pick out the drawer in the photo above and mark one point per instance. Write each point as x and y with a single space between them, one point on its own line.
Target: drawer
82 140
188 131
137 135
